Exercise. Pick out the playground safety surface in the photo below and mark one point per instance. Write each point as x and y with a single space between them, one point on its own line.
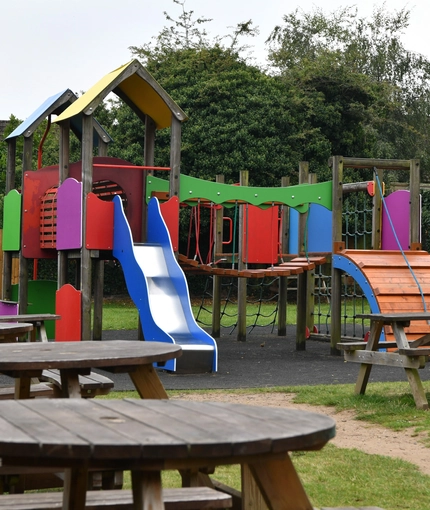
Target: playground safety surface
266 360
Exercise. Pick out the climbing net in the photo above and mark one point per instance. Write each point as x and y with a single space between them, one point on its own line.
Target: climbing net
357 234
262 304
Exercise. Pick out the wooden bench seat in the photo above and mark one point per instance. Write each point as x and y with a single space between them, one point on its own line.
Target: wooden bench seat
91 385
50 386
354 346
193 498
37 390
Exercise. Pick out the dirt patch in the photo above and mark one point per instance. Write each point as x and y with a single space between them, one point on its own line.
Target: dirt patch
350 433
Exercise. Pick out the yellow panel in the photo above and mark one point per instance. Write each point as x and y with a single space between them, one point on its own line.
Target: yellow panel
145 93
101 88
147 100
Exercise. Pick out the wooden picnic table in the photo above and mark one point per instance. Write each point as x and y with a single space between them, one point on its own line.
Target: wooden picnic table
36 319
26 360
149 436
409 355
10 331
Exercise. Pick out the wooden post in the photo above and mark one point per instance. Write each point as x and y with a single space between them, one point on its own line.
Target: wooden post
23 262
377 214
241 284
217 280
148 160
283 280
302 277
414 188
175 157
336 274
64 161
87 182
99 271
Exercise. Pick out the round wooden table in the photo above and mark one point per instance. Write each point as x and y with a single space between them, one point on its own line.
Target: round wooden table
148 436
9 331
25 360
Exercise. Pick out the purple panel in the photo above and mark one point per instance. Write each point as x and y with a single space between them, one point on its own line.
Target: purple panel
399 210
8 308
69 215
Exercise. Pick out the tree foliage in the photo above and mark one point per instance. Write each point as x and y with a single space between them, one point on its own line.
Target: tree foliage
361 71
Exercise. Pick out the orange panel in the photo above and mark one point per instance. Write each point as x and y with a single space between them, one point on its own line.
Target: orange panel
68 305
99 224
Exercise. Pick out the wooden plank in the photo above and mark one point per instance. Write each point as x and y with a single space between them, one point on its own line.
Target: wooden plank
353 346
417 351
187 498
391 359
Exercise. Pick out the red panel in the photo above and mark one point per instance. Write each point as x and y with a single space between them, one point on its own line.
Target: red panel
68 305
260 235
170 213
36 183
131 181
99 224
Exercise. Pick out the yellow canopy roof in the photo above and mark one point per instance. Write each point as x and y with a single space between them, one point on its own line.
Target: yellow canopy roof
132 83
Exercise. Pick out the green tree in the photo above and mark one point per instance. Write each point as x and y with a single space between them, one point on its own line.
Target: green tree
362 73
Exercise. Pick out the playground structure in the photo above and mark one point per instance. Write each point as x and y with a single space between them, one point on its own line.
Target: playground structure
66 212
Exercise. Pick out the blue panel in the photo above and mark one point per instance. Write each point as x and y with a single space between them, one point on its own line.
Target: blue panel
293 238
40 112
344 264
320 221
57 104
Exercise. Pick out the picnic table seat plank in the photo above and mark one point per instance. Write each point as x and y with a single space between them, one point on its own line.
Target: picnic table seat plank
186 498
91 385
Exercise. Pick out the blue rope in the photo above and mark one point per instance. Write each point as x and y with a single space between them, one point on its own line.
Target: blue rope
398 242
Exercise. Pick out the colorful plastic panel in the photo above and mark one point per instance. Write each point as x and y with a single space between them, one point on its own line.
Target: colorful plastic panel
260 235
69 215
68 305
170 213
12 221
395 223
99 224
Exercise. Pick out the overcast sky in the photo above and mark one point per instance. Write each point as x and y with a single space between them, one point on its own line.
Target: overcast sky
47 46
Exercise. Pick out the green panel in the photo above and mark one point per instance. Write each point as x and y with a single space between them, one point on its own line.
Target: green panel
12 221
41 299
298 197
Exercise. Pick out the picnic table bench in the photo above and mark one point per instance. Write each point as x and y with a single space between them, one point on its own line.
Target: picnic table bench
37 320
49 384
411 355
186 498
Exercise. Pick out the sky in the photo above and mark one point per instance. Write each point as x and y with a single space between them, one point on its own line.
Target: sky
47 46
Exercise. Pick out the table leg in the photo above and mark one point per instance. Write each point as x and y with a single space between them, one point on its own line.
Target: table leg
278 483
70 387
75 488
365 368
147 491
22 388
417 388
147 382
411 373
43 336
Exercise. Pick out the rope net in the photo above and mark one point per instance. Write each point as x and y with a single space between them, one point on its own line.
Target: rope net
261 307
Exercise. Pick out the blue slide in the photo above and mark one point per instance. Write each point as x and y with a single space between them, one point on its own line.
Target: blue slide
158 288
